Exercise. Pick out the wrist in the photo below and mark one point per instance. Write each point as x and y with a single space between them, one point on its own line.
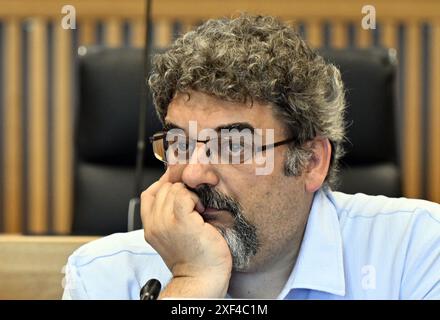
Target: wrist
194 271
213 285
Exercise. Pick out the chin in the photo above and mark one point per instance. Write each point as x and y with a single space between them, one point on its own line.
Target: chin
257 263
249 266
241 269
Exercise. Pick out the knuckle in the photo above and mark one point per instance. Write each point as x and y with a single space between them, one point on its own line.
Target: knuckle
178 204
163 189
144 193
182 202
167 185
176 186
151 186
182 193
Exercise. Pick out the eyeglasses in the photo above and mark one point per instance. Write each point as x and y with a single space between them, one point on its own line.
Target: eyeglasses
226 149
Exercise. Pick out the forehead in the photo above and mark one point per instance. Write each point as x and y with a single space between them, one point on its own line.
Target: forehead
211 112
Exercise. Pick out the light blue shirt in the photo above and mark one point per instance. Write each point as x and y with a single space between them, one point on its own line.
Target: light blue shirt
354 247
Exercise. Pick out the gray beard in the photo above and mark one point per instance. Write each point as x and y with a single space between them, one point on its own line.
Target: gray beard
242 236
242 241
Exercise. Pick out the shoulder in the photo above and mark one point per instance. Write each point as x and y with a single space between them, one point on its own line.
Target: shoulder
399 219
414 220
399 236
113 245
360 206
113 267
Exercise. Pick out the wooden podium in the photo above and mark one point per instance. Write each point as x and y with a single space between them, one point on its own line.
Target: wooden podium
31 267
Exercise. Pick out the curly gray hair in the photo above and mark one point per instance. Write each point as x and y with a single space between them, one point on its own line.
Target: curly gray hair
258 58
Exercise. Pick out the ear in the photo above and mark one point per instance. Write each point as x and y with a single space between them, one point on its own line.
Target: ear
318 165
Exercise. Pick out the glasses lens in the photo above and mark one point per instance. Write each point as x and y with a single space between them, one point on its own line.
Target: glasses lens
172 149
236 149
159 146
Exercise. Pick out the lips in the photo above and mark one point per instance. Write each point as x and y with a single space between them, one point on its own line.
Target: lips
200 208
210 214
218 217
210 210
213 215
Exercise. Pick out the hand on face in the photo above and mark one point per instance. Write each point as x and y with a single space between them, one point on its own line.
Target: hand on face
173 226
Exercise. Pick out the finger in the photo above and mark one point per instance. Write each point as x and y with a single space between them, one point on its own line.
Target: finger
200 208
154 188
168 204
185 203
147 201
165 177
160 197
148 196
152 209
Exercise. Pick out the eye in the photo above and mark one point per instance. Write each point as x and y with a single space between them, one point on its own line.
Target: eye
182 146
235 147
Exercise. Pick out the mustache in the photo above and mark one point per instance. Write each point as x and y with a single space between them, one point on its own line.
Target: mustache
242 238
212 198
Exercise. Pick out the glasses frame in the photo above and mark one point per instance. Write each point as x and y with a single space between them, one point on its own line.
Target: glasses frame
161 135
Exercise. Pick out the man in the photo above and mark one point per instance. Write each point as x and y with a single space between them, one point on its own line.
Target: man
253 126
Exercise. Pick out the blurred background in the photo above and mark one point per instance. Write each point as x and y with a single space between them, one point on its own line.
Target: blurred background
39 84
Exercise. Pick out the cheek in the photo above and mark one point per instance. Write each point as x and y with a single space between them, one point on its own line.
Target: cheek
251 190
259 198
273 201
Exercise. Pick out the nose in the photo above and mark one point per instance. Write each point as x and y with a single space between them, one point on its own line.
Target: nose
198 172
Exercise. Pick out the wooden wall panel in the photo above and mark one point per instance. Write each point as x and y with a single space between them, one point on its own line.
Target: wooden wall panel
113 32
389 34
434 125
163 33
87 32
138 30
412 114
339 34
314 31
363 37
38 128
62 136
12 154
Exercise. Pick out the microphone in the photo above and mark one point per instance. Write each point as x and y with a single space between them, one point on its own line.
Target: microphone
151 290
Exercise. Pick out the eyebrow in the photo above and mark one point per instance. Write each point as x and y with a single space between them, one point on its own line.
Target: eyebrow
229 126
169 125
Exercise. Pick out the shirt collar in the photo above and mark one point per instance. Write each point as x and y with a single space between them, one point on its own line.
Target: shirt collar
319 265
